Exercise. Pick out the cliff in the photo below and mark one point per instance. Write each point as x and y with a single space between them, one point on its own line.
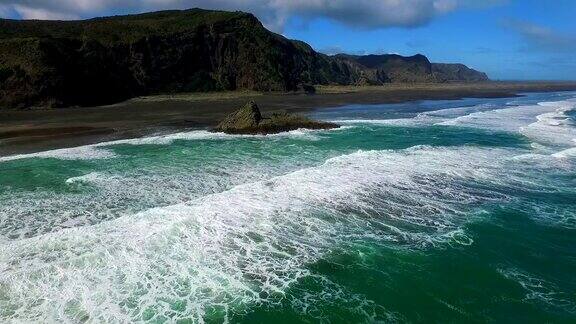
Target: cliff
380 69
107 60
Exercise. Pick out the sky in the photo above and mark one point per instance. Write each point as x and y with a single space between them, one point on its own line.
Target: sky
508 39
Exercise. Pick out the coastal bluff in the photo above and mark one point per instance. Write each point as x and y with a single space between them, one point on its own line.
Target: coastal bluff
248 120
101 61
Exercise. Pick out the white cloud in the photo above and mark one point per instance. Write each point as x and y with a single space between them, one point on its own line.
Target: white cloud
274 13
368 13
43 14
541 38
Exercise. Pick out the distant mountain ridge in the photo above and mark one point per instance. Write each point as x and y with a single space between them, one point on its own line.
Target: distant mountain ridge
107 60
379 69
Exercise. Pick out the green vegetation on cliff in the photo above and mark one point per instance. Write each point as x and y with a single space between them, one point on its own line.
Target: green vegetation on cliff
106 60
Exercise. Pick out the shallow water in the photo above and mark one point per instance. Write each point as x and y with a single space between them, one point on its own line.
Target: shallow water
433 211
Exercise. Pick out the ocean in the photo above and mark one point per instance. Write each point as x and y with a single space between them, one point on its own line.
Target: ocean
456 211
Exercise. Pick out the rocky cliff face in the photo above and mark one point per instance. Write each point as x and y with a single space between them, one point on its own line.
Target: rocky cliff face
380 69
106 60
457 72
102 61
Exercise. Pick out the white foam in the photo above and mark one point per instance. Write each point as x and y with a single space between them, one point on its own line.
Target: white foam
170 138
546 123
424 118
90 177
89 152
451 113
391 122
217 244
539 290
553 127
507 119
247 244
105 195
566 154
98 151
207 135
224 251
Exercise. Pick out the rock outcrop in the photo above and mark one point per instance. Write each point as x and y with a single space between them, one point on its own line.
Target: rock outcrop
249 120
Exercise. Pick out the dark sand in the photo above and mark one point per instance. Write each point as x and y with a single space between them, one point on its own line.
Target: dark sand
39 130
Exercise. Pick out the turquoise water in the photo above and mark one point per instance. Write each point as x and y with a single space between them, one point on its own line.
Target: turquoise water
434 211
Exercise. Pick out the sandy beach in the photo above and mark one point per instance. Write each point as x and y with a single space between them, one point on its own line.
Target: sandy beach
27 131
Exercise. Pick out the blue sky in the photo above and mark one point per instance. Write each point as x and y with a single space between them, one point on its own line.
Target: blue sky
499 40
508 39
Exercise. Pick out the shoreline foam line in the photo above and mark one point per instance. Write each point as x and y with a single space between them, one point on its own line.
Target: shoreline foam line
98 150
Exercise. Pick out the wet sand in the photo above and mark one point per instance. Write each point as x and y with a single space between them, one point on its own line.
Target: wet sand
39 130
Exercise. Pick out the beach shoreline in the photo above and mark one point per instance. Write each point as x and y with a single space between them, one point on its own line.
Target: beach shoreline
30 131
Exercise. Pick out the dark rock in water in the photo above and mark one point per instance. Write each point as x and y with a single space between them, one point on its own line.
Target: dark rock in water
249 120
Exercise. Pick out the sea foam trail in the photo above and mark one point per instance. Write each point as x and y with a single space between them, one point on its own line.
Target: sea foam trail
508 119
424 118
88 152
546 122
541 291
450 113
247 245
555 127
100 151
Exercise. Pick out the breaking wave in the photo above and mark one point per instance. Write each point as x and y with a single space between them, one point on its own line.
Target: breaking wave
223 251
